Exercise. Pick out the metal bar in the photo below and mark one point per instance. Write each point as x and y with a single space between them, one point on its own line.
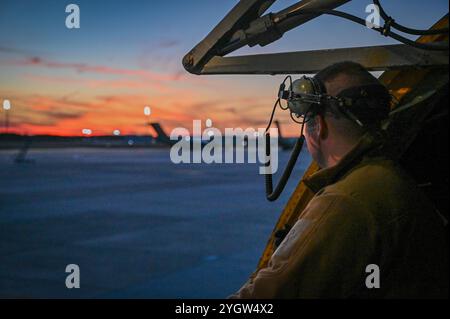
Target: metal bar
244 37
239 17
294 22
377 58
244 25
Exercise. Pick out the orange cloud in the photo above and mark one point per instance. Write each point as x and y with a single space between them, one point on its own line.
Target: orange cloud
99 69
96 103
95 84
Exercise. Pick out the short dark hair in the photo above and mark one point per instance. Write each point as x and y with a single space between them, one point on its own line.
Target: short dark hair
354 71
377 108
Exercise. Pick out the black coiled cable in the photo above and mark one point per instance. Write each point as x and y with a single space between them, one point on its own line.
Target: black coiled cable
385 30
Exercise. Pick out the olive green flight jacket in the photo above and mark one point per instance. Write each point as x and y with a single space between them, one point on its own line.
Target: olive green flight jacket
369 232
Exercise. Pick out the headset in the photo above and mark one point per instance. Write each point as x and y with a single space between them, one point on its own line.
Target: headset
308 97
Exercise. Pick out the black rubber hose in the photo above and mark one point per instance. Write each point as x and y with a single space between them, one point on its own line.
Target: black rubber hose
273 195
404 29
384 31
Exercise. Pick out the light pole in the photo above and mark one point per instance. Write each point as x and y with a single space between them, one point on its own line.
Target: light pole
147 113
6 108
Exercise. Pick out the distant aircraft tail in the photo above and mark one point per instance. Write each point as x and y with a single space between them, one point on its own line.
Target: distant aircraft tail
161 137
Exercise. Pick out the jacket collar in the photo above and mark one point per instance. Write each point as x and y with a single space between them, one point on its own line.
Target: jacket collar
330 175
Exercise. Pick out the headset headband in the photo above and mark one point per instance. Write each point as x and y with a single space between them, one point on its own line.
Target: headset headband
308 96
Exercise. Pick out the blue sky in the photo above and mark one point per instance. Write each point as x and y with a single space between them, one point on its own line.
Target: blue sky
152 36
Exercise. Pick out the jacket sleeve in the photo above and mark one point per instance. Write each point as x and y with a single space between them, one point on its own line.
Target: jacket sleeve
325 254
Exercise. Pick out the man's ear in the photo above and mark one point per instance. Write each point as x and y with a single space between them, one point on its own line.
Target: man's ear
322 127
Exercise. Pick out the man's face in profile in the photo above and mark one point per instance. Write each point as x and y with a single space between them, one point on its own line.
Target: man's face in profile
314 132
312 138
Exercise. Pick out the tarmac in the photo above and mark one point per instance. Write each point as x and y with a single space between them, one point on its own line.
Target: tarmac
137 225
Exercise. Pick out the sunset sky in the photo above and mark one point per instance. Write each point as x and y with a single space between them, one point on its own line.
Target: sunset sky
127 54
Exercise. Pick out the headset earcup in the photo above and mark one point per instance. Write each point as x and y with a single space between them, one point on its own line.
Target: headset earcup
319 86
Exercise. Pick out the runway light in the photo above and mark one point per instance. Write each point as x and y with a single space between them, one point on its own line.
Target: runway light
6 105
147 110
86 131
116 132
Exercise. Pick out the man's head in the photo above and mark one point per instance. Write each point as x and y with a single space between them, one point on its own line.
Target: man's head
331 134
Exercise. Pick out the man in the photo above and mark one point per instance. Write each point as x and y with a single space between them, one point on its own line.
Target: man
368 232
